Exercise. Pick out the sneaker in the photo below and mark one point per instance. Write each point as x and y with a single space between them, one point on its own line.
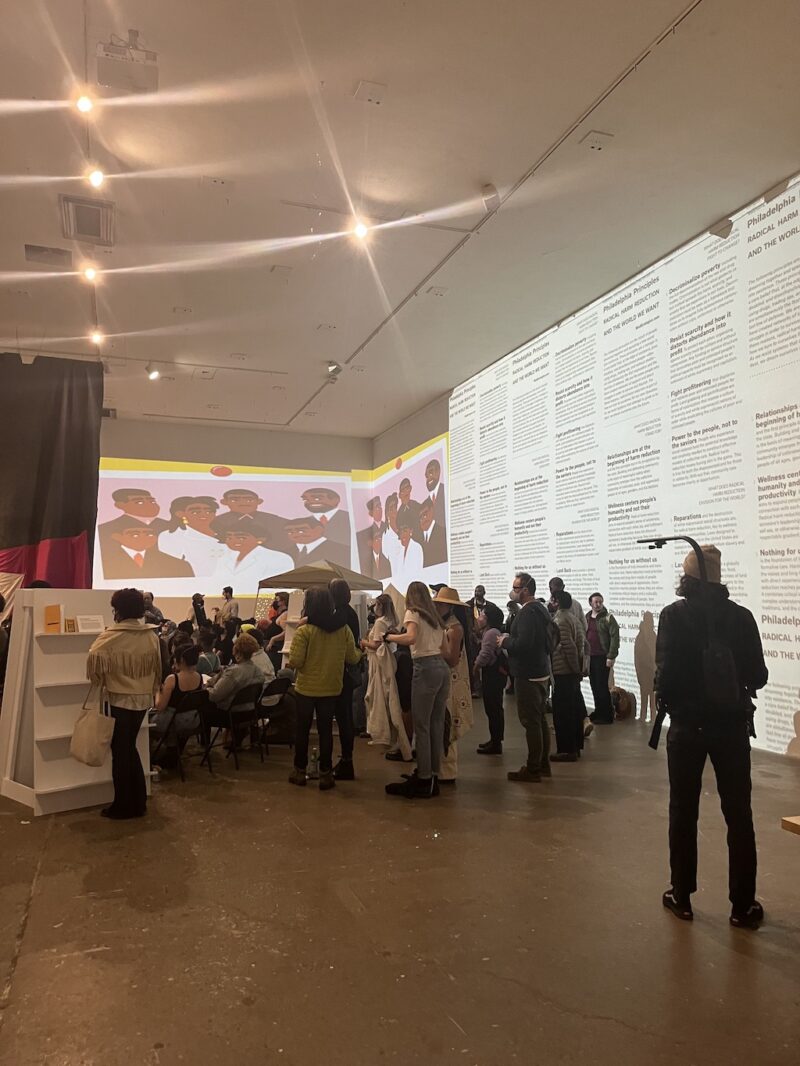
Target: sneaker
394 756
588 727
327 781
343 770
364 735
680 908
297 777
490 749
564 756
523 774
749 919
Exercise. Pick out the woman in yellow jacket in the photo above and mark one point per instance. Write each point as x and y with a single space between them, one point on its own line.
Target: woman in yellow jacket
319 651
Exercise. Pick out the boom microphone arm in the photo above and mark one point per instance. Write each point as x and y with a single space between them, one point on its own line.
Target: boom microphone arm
659 542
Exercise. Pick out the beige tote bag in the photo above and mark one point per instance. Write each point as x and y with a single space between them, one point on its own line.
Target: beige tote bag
91 736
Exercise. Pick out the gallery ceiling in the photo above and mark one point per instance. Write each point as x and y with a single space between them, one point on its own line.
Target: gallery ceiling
232 268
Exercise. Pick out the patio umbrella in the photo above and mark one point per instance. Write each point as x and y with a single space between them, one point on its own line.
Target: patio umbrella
322 573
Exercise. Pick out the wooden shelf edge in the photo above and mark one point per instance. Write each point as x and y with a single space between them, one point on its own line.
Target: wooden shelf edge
43 634
791 823
60 684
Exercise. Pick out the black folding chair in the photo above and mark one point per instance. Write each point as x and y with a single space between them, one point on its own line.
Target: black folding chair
268 715
244 711
186 721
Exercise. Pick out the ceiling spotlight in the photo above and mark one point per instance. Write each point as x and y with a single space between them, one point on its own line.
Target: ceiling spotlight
90 273
360 230
96 178
96 337
490 197
334 368
84 104
153 372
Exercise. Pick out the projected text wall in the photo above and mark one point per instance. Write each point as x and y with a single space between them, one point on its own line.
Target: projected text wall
668 406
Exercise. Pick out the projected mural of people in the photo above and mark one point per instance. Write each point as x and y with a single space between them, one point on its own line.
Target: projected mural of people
190 536
325 505
249 557
133 503
244 503
311 544
133 552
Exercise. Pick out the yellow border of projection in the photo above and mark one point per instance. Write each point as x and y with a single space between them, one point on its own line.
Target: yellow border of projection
360 476
162 466
389 467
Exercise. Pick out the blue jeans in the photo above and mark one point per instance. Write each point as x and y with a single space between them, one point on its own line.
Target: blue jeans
430 687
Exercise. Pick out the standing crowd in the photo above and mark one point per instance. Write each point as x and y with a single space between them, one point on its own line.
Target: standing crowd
423 671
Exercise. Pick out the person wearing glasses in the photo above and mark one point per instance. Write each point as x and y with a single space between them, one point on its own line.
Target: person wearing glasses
529 665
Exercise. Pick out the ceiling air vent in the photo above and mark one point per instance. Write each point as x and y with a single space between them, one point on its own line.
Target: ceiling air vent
90 221
58 257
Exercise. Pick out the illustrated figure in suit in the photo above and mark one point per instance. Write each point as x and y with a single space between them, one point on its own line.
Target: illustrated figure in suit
244 504
433 483
310 545
133 503
408 512
379 565
323 504
134 553
364 537
434 539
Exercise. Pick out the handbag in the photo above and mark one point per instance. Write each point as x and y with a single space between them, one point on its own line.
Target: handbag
91 736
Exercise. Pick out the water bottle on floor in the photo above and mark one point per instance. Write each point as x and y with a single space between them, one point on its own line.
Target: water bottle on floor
313 769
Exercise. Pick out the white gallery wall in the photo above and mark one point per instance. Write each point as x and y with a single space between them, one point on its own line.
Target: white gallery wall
668 406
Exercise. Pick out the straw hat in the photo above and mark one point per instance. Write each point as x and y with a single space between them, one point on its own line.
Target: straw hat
448 595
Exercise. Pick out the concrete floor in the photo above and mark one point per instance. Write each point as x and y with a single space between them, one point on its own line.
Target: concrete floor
245 921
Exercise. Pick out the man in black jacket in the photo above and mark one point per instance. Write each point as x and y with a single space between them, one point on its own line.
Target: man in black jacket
529 665
707 722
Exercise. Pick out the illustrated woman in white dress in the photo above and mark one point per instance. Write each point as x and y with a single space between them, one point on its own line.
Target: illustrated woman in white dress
190 536
246 559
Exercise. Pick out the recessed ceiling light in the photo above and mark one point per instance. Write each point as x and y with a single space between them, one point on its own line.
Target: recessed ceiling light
152 372
90 273
96 337
96 178
360 229
333 368
84 104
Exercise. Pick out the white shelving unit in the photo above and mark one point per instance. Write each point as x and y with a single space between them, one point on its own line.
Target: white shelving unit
44 693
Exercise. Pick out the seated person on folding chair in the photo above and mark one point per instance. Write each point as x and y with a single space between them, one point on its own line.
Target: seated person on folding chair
242 672
185 679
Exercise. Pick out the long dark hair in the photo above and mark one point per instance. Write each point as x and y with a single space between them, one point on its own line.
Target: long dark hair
387 607
493 614
691 588
418 598
178 504
318 607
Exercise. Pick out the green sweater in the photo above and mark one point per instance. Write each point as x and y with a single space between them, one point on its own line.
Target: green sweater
319 658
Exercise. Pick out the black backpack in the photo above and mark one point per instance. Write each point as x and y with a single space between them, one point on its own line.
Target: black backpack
723 688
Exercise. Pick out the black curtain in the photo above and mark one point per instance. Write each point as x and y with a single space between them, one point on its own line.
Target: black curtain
52 409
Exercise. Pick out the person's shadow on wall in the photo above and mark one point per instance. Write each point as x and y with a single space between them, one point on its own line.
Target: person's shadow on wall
644 662
793 747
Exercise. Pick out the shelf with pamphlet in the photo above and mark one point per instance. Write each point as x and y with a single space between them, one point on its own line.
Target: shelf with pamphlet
44 694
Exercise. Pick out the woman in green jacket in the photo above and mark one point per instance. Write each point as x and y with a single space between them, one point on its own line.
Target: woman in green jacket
602 634
318 654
